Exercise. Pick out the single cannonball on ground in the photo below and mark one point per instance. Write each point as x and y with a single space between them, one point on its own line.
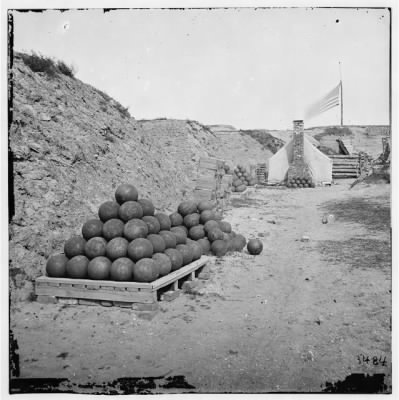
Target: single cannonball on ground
254 246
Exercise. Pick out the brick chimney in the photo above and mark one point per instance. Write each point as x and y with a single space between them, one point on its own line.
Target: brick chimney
298 167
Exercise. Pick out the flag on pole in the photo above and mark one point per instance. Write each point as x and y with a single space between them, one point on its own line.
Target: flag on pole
330 100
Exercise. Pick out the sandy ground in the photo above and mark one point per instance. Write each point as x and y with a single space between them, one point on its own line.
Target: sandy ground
299 315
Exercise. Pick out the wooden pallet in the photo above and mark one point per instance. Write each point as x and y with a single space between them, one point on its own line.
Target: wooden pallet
112 291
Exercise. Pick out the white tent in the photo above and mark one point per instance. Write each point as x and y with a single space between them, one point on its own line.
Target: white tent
319 164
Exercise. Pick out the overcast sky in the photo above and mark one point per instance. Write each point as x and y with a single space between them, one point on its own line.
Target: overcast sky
251 68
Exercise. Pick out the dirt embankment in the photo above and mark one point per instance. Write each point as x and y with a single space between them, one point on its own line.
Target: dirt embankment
249 147
71 146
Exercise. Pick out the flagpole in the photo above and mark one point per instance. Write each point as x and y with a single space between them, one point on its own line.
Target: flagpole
342 97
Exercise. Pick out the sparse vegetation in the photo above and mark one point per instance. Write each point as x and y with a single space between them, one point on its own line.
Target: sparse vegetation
267 140
374 214
39 63
123 111
66 69
108 100
336 130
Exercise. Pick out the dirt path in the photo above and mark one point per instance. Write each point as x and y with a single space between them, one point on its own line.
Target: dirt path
291 319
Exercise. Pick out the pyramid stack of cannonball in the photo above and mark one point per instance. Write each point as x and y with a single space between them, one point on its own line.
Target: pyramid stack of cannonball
300 183
242 179
130 241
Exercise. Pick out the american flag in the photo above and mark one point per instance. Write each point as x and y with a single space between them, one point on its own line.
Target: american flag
330 100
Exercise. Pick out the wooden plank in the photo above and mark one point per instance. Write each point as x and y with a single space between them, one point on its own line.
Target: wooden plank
108 295
175 275
346 162
345 169
345 166
208 164
345 175
205 183
343 156
203 194
89 282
